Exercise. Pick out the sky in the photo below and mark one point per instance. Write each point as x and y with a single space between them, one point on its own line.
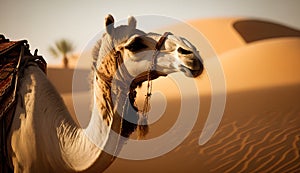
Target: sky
44 22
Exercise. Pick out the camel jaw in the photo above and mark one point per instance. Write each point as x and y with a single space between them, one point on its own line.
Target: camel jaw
144 77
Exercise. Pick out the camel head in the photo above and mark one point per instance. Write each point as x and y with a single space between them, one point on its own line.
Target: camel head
124 56
137 47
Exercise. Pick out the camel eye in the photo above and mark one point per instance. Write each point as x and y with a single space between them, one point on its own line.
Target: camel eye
136 45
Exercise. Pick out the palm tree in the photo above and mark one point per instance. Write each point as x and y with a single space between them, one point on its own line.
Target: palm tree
62 47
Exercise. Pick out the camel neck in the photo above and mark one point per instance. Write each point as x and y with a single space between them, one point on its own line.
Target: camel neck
104 128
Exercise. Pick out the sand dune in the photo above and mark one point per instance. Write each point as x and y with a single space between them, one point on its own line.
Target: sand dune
259 131
263 64
220 33
254 30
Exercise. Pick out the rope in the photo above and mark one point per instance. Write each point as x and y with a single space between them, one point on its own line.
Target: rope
142 123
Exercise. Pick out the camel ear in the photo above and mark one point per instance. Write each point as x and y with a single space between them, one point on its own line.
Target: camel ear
132 22
109 24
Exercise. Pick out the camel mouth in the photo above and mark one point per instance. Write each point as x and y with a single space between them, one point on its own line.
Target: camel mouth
144 77
189 72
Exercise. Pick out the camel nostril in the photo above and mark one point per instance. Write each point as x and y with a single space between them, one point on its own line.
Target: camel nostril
192 63
184 51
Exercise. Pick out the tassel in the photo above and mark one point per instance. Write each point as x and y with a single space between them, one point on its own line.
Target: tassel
143 128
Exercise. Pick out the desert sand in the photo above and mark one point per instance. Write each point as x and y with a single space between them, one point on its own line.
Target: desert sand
260 128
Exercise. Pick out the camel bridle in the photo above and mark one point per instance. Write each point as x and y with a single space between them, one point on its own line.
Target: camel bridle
152 69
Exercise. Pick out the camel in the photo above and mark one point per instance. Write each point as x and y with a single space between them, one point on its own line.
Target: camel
43 135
